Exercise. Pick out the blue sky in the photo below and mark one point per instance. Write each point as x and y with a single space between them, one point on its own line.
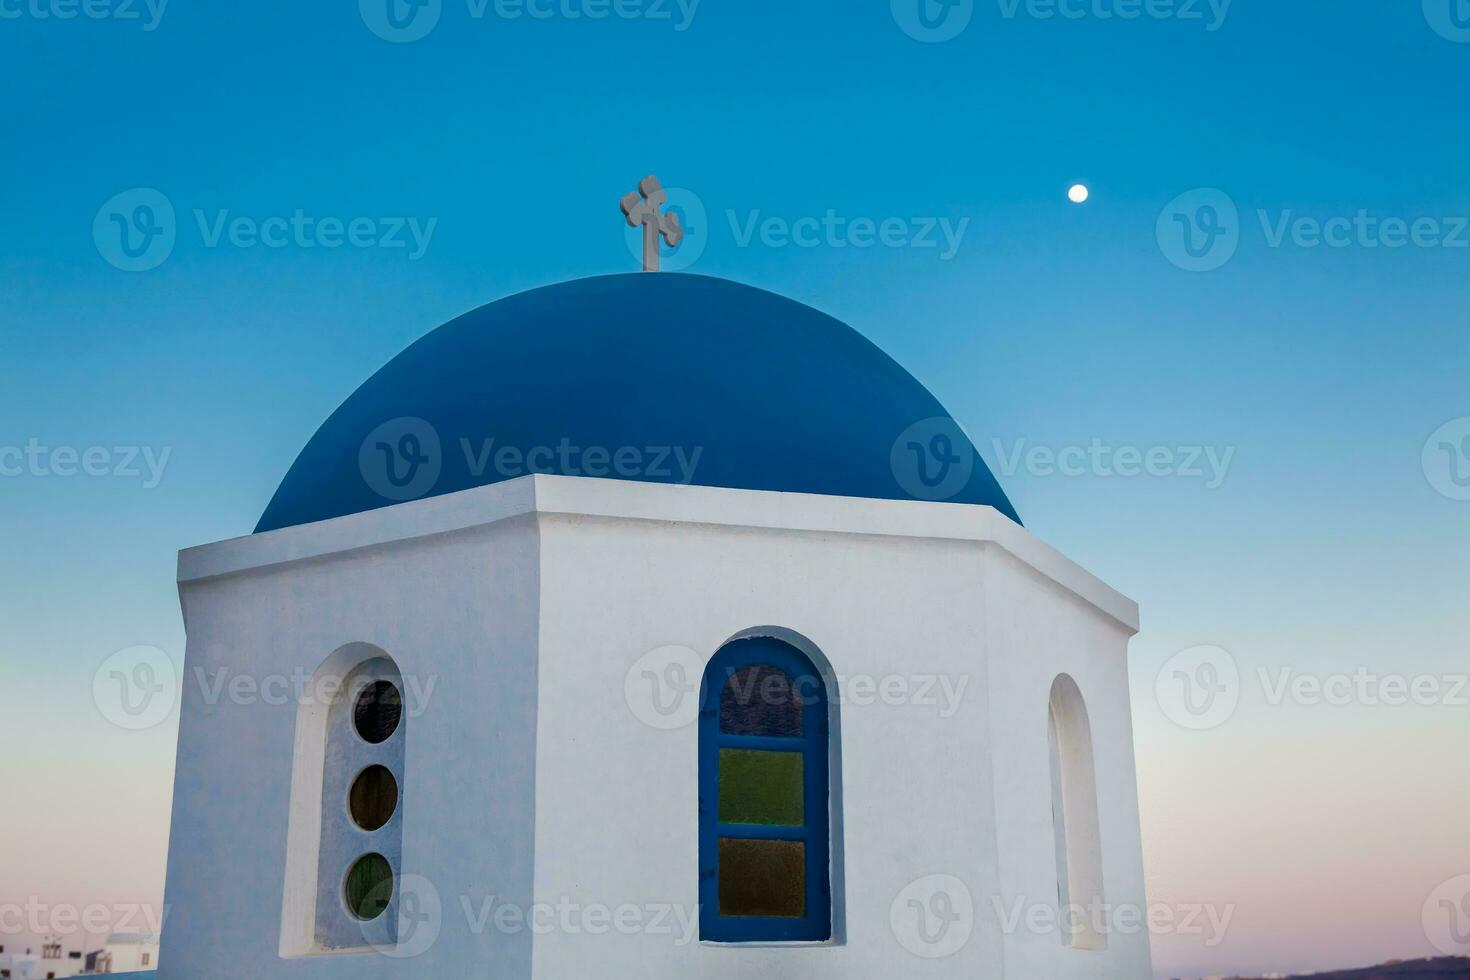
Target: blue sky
1322 369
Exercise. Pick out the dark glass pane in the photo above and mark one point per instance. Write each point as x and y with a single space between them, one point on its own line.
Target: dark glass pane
761 787
762 700
369 887
374 797
377 712
762 877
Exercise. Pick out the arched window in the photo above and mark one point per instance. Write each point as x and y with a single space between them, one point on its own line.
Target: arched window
764 834
345 836
362 824
1074 816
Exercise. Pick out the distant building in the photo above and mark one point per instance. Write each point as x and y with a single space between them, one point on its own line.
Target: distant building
52 960
121 953
124 953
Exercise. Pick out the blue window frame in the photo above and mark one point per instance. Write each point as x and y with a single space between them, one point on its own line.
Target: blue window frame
764 838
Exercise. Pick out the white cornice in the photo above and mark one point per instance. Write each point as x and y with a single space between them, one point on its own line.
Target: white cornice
638 501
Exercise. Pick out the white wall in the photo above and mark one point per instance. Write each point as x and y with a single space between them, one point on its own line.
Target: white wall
1037 631
530 778
455 610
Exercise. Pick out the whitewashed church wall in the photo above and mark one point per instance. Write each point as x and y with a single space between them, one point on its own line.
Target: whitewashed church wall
1037 631
617 799
457 613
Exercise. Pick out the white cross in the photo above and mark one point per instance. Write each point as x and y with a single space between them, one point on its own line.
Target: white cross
641 207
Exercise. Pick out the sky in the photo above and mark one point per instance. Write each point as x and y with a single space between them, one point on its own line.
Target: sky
1295 367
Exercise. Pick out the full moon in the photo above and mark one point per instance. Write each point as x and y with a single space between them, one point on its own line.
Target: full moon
1077 193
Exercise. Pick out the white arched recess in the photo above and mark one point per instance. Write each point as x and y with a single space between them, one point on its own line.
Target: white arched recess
322 839
1074 816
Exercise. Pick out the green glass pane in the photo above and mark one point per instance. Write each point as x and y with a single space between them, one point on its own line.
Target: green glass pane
369 887
761 787
762 877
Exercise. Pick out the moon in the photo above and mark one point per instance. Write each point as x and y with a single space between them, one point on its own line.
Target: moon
1077 193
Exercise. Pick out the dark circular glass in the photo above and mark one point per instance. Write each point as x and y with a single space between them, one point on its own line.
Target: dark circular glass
378 711
369 887
373 798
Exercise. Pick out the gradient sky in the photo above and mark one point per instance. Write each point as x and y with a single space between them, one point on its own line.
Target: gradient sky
1325 548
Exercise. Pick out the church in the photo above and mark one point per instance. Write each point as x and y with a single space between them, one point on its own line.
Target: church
650 626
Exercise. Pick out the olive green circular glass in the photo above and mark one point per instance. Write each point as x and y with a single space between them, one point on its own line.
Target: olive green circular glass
369 887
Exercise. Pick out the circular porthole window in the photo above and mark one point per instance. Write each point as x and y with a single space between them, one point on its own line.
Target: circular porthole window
378 711
373 798
369 887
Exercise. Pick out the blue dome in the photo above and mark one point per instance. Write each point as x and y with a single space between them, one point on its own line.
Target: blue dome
659 377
